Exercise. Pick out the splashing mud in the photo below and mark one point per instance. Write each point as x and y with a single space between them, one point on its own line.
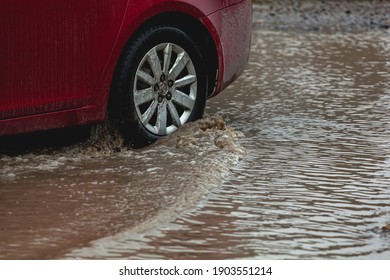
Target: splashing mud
55 200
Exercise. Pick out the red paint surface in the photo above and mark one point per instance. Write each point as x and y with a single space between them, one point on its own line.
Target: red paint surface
57 58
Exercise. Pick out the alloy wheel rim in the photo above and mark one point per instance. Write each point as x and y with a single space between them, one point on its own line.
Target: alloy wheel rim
165 88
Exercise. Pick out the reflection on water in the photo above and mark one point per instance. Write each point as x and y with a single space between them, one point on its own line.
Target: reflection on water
315 111
315 182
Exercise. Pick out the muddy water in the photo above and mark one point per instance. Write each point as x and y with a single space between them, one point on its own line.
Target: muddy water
52 201
314 181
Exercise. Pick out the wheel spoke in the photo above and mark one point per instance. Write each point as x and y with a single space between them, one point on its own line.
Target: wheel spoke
181 61
143 96
154 63
187 80
149 112
167 58
145 77
174 114
183 100
161 123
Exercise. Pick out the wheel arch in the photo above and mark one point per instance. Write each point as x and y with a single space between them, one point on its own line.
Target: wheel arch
195 29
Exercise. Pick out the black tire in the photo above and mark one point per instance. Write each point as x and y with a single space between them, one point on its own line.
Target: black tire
137 79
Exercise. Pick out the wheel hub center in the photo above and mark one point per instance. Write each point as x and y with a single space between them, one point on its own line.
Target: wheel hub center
163 88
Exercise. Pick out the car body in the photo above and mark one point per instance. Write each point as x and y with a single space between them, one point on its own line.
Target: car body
58 58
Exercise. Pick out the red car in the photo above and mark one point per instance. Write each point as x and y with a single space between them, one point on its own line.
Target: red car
148 66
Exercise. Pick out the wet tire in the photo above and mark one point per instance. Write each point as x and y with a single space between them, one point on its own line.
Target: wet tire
160 84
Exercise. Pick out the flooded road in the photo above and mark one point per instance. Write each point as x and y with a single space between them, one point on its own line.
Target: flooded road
309 177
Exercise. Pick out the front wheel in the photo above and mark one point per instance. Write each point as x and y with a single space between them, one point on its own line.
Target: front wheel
160 84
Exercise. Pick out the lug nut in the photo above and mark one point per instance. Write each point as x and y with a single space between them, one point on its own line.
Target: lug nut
156 87
162 78
160 99
170 83
169 96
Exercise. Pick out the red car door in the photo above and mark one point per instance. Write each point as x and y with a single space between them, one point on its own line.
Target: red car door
53 52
